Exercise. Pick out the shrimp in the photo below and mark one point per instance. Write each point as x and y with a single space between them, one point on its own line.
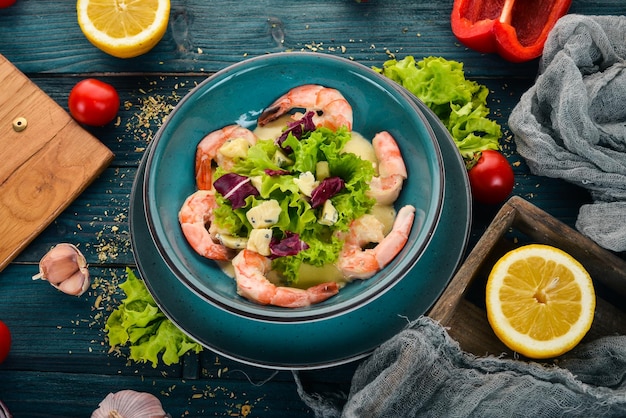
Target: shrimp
391 170
250 270
208 151
358 263
336 111
194 216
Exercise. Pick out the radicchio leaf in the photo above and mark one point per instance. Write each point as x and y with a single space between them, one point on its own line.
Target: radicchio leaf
235 188
273 173
290 245
298 129
329 187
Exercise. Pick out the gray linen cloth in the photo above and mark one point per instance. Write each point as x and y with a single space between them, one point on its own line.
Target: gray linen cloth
571 123
422 372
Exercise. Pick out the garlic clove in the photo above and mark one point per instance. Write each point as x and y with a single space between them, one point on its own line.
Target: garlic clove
65 267
76 284
4 411
130 404
59 263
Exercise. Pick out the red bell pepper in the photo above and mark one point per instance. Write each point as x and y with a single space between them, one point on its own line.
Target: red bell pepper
517 30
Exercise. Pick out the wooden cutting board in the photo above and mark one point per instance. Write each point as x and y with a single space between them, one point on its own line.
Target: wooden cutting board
43 167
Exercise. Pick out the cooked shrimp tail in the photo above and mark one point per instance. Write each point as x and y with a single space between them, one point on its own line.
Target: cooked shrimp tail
194 217
208 151
355 262
322 291
393 243
386 187
334 108
250 270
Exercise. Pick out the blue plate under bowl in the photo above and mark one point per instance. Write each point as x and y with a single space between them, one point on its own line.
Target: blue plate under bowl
238 94
326 342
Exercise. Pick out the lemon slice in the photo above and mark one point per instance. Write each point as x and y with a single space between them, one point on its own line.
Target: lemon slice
540 301
123 28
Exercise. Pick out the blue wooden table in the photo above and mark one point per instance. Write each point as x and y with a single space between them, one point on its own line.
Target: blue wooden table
60 364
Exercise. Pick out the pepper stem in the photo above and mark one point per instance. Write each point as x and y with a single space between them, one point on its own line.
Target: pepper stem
505 16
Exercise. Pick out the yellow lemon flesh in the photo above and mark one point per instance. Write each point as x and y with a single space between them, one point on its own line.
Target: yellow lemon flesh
540 301
123 28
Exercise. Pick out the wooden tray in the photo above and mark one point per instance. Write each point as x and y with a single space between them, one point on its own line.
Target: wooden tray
44 166
461 308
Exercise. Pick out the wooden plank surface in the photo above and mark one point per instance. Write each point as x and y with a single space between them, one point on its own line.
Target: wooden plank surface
205 36
60 360
64 351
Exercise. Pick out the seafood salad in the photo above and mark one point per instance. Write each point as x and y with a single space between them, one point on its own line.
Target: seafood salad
300 206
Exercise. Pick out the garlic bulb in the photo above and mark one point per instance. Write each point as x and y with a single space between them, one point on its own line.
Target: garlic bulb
65 268
4 411
130 404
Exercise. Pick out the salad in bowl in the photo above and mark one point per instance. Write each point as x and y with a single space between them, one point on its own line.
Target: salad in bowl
298 207
293 188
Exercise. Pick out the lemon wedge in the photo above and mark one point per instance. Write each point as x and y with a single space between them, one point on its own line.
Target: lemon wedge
540 301
123 28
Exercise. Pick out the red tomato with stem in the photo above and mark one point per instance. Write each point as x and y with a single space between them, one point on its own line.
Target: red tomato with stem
93 102
6 3
491 179
5 341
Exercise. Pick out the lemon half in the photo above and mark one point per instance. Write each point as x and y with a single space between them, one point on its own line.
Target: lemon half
540 301
123 28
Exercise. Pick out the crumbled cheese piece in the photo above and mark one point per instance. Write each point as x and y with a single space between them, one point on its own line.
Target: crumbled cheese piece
280 159
257 182
264 215
259 241
235 148
329 214
230 241
306 183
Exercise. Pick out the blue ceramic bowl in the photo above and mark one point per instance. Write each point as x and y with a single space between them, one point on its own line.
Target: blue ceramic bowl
237 95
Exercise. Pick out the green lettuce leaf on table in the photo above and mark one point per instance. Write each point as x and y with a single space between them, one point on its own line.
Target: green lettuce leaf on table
459 103
138 323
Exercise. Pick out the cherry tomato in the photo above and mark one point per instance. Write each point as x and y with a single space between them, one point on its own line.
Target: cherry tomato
93 102
5 341
491 179
6 3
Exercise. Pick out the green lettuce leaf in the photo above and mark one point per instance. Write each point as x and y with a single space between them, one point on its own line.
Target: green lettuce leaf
459 103
138 323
